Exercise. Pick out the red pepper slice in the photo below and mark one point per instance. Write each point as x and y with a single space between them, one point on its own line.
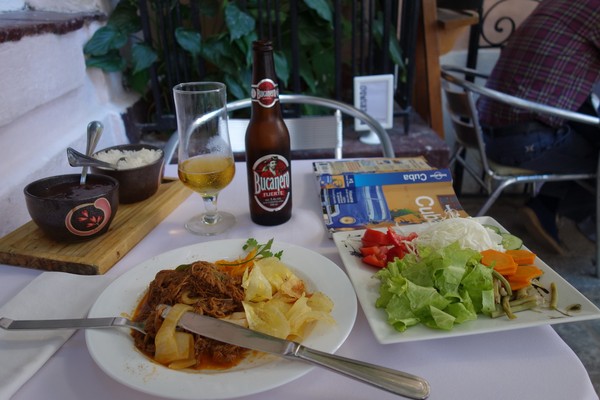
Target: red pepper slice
397 239
375 261
379 248
396 251
373 250
373 237
394 237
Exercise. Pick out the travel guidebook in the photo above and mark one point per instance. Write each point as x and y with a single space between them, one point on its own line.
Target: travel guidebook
376 192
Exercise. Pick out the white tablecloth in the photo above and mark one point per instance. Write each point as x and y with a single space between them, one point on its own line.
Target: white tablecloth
532 363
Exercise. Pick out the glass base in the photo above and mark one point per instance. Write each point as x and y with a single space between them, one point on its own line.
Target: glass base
198 226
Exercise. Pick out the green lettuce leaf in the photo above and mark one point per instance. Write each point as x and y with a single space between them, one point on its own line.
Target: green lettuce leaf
438 288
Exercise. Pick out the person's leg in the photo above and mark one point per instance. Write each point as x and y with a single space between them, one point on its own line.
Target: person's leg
579 204
545 149
567 199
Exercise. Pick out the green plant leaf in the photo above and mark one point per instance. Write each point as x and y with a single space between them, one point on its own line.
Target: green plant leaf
212 50
142 57
222 55
190 40
313 34
244 45
139 81
210 8
306 73
395 51
238 22
125 18
322 63
282 67
234 87
104 40
322 8
110 62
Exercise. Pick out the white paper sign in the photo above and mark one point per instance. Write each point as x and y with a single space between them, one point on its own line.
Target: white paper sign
374 95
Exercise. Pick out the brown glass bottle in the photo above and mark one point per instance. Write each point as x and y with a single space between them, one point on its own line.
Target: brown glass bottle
267 144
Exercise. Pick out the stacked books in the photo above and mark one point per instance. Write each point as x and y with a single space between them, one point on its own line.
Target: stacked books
376 192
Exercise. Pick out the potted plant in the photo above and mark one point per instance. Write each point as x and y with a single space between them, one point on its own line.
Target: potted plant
211 40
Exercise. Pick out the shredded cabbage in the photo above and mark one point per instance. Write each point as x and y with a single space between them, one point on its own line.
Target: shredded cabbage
469 234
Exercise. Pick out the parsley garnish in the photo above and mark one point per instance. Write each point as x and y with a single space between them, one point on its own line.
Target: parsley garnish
262 250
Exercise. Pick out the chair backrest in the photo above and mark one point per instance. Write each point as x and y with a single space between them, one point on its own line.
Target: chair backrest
303 132
306 133
460 103
468 129
449 75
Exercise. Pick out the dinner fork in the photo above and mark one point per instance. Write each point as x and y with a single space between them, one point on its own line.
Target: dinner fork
107 322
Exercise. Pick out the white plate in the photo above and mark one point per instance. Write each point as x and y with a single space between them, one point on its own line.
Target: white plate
114 352
367 291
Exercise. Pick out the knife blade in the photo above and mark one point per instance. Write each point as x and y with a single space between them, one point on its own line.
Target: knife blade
397 382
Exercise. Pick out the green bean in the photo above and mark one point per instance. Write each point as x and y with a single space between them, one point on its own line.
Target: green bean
506 307
523 300
504 282
553 296
496 287
516 306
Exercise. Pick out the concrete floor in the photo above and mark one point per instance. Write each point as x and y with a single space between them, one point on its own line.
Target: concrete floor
577 267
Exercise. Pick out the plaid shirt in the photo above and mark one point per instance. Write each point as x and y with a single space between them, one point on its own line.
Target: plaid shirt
552 58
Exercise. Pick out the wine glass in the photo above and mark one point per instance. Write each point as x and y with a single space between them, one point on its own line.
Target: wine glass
205 158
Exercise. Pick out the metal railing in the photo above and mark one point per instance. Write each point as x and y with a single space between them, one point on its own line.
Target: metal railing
495 27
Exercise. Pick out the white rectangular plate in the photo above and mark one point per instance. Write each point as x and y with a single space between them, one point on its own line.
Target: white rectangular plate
367 291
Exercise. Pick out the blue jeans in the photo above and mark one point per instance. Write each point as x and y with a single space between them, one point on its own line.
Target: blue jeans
541 148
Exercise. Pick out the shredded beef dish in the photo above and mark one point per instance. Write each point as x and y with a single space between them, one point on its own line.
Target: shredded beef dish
209 291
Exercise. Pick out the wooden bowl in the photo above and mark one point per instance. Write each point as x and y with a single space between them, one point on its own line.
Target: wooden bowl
138 183
69 212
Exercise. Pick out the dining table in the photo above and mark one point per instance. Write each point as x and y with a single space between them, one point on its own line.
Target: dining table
527 363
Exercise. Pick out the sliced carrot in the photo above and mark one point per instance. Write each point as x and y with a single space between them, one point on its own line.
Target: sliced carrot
522 256
523 276
500 261
238 266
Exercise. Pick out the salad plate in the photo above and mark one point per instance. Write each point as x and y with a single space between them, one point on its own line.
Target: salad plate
114 352
367 291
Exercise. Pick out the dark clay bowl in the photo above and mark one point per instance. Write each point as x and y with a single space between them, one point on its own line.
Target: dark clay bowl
69 212
139 183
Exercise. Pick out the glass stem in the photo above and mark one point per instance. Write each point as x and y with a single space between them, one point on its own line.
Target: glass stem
210 205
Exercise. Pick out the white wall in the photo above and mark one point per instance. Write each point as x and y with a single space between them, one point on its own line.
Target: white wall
54 5
11 5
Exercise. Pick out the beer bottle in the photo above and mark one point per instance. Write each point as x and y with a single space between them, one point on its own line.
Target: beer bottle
267 144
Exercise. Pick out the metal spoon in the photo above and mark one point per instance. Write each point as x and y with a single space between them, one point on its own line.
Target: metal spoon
77 159
94 130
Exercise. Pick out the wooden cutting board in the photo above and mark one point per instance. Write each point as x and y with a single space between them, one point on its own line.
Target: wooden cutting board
29 247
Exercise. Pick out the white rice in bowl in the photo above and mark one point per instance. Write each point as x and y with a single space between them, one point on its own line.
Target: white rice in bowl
128 159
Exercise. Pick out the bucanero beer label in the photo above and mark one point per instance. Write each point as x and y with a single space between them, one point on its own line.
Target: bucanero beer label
272 182
265 93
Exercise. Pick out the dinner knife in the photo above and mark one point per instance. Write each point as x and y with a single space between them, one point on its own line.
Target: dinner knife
388 379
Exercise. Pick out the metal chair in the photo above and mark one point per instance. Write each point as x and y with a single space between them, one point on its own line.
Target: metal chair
460 95
306 133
